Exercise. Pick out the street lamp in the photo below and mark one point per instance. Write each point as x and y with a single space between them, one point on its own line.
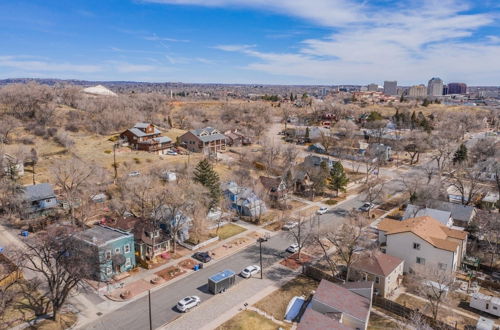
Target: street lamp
261 240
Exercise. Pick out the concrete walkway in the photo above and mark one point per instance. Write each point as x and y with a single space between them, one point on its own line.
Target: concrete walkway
224 306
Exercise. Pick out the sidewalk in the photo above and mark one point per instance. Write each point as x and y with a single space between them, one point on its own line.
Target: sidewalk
224 306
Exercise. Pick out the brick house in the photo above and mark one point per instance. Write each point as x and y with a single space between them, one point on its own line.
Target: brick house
146 137
236 138
207 140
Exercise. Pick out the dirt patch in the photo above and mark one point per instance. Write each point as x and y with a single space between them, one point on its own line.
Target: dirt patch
231 247
228 230
170 273
378 322
294 263
275 303
274 226
187 264
65 321
250 320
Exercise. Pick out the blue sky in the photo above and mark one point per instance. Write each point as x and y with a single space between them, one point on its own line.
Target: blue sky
252 41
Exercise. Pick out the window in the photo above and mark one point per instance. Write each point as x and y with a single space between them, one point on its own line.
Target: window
420 261
48 200
117 250
109 271
126 248
377 279
128 263
487 306
108 255
416 246
442 266
495 307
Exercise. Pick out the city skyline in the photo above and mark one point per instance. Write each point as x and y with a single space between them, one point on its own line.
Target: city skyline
217 41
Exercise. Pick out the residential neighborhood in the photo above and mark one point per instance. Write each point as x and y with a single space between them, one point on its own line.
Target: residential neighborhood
249 165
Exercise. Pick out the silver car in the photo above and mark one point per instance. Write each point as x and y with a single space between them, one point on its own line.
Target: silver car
187 303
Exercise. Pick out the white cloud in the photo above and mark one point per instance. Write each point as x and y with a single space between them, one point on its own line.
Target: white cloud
20 62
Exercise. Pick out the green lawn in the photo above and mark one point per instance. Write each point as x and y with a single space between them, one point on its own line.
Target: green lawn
229 230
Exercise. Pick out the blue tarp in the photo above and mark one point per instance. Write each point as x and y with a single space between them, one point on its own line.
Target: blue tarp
222 275
294 308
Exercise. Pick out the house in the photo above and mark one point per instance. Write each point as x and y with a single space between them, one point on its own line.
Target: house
112 250
275 188
385 271
178 222
302 183
40 198
206 140
423 241
317 148
149 242
315 161
413 211
243 200
335 306
236 138
485 303
490 200
380 151
146 137
462 215
12 166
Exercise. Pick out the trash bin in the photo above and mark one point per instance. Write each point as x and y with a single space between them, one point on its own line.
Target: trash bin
1 249
24 233
200 266
196 267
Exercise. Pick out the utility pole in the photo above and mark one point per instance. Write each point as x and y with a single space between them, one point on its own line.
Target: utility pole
150 318
261 240
114 162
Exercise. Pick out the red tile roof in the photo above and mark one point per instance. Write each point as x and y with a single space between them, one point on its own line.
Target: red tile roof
379 264
343 300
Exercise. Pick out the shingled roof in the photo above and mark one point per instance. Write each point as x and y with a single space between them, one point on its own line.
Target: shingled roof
428 229
380 264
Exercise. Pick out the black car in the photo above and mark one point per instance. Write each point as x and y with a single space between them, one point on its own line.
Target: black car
202 256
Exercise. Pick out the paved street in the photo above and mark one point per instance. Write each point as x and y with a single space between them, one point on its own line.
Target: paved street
134 315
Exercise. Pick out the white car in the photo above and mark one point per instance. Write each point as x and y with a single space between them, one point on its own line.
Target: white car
171 152
187 303
290 225
322 210
134 173
293 248
249 271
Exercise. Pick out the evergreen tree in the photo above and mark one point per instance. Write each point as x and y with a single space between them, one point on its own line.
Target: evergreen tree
338 180
204 174
460 155
402 98
426 102
307 133
413 120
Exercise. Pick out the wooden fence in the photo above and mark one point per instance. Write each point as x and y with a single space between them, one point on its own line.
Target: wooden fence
405 312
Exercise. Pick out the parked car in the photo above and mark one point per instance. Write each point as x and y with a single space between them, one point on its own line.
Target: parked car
290 225
341 212
366 207
134 173
322 210
187 303
249 271
202 256
171 152
293 248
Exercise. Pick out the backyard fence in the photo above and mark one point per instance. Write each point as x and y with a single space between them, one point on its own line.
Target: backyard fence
407 313
318 275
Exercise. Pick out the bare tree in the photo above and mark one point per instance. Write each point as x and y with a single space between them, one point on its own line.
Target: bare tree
433 284
489 232
374 192
270 154
347 239
59 267
302 234
467 182
75 179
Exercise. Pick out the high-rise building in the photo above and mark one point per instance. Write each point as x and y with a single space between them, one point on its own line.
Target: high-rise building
445 89
390 87
372 87
417 91
435 87
457 88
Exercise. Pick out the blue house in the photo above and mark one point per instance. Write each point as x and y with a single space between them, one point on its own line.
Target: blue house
243 200
40 199
180 221
315 161
113 250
